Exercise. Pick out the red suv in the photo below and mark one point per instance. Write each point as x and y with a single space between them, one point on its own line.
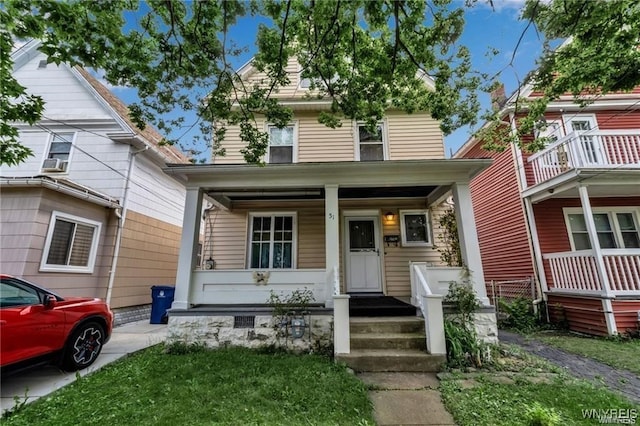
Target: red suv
37 325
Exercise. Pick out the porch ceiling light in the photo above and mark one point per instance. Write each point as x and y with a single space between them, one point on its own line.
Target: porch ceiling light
389 216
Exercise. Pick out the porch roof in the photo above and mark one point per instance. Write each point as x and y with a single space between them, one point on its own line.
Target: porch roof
398 173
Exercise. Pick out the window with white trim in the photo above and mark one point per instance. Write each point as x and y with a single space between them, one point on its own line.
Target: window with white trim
616 228
371 146
281 144
415 228
59 152
272 242
71 244
552 131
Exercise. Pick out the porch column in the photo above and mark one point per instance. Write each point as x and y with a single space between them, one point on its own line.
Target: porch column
332 240
188 247
597 253
468 235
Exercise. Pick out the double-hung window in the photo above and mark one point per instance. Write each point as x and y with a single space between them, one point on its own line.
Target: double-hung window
272 244
59 152
371 145
414 228
281 144
616 228
71 244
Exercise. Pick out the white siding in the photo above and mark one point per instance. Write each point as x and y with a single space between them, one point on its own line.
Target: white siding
155 194
65 96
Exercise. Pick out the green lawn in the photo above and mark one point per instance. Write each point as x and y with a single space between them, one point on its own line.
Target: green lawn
223 387
616 353
508 404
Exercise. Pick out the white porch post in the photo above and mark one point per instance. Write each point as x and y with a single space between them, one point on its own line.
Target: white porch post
332 240
188 247
468 235
597 253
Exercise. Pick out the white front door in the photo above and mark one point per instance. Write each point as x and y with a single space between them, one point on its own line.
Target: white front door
362 247
591 150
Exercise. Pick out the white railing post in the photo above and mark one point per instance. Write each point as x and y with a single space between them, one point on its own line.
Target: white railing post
341 332
434 324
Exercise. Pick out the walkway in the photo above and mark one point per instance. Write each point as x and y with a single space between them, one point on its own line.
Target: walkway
406 399
621 381
41 381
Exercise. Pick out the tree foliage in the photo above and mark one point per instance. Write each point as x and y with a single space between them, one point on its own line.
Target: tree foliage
601 55
363 55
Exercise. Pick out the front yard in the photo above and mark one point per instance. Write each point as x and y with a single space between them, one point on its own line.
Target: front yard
230 386
521 390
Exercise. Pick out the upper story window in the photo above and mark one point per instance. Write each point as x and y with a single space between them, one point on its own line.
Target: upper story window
282 144
71 245
272 243
59 152
370 145
552 132
414 227
616 228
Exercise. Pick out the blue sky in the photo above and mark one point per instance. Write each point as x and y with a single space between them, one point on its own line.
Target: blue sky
485 28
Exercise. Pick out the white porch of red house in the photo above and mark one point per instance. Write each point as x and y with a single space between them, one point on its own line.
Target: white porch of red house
598 168
196 288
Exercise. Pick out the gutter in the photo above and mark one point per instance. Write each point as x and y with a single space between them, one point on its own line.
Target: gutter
74 190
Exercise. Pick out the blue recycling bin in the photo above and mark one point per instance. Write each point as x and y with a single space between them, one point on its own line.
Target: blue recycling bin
161 300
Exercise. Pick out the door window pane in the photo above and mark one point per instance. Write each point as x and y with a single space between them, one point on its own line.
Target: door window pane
361 234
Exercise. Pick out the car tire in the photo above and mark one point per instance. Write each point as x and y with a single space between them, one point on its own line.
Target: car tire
83 347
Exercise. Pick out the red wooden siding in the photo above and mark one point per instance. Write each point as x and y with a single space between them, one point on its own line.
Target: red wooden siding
626 314
552 230
584 315
499 214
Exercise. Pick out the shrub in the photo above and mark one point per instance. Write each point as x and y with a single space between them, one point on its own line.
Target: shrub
464 348
519 315
537 415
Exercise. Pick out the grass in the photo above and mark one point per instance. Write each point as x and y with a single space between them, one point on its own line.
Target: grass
523 389
614 352
491 403
201 387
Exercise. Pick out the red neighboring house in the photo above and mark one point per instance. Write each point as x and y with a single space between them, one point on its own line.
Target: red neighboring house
569 214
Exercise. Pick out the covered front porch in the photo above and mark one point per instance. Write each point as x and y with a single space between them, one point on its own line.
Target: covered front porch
344 237
586 238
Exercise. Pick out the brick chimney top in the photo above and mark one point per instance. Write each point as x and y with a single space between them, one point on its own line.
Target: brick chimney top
498 97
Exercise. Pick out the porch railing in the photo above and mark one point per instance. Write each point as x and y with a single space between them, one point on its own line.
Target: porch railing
577 271
430 305
583 149
253 287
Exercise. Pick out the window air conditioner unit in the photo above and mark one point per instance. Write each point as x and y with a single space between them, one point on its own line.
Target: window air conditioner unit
53 165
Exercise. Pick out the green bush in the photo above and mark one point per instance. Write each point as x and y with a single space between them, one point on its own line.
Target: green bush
464 348
518 315
537 415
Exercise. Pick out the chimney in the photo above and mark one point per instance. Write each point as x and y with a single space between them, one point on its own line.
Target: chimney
498 97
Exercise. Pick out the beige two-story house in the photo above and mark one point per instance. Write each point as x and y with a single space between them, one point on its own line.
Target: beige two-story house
349 214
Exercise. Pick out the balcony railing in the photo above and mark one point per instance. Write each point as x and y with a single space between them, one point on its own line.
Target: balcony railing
587 149
577 272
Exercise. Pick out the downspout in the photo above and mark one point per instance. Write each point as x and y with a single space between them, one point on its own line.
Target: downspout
529 223
121 215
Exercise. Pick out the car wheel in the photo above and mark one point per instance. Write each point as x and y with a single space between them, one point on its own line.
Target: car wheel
83 347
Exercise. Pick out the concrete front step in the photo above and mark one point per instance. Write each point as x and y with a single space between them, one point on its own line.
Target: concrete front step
382 325
388 341
392 360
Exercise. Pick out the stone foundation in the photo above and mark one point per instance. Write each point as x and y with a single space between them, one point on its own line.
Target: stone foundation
486 325
131 314
219 331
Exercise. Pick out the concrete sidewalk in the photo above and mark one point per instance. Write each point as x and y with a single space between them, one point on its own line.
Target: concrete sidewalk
41 381
406 399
